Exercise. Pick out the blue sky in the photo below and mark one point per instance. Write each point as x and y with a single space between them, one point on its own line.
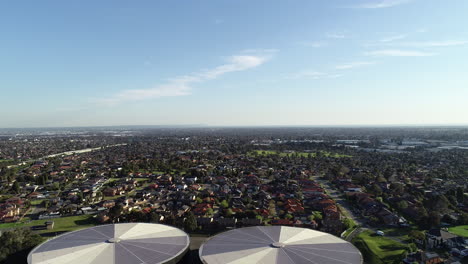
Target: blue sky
302 62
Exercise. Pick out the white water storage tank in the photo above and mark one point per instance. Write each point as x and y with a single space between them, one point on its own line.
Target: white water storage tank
132 243
278 244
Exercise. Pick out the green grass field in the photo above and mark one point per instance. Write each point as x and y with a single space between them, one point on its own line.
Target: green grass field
459 230
69 223
11 225
300 154
379 250
61 224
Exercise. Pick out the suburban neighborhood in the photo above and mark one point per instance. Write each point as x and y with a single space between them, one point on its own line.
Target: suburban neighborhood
402 202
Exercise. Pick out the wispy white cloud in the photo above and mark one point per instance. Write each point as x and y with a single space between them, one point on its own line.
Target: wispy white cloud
266 52
333 76
353 65
235 63
382 4
308 73
181 85
313 44
426 44
398 53
166 90
336 35
312 74
393 38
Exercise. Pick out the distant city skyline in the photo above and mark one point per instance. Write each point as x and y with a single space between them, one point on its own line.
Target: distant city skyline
224 63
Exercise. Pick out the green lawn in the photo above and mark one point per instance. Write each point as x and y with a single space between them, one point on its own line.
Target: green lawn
401 233
379 250
348 232
36 202
352 227
459 230
139 180
143 186
61 224
112 180
10 225
300 154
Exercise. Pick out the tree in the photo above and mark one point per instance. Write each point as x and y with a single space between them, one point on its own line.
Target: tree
422 212
463 219
224 204
154 217
299 195
16 187
46 203
460 194
402 204
209 211
41 180
412 247
16 240
115 212
170 220
434 219
374 219
381 179
417 235
137 216
80 196
190 223
317 215
229 212
375 189
56 186
348 223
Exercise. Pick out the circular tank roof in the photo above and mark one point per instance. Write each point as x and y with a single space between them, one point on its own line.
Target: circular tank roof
278 244
132 243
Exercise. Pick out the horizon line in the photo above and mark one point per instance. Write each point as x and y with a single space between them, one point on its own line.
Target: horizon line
244 126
